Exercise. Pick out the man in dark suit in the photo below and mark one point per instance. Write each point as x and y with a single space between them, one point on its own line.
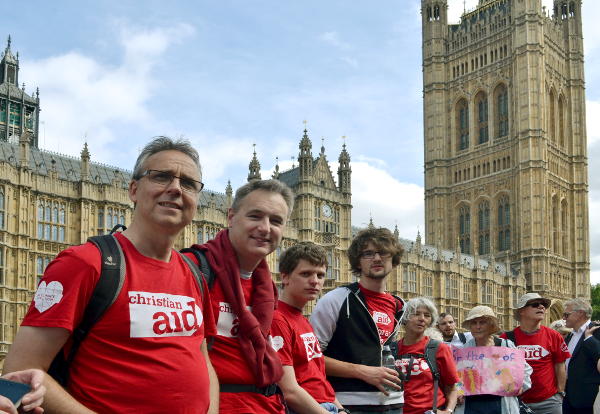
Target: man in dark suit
583 376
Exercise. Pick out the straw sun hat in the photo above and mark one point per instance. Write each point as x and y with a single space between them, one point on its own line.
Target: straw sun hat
481 312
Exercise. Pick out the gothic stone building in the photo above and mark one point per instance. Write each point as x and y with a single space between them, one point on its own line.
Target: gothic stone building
49 201
505 139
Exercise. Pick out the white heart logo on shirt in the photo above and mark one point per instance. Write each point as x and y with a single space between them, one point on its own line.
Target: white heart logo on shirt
48 295
277 342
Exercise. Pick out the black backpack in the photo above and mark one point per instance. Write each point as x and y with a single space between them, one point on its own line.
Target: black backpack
431 349
108 287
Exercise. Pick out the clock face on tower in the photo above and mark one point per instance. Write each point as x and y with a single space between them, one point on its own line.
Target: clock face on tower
327 210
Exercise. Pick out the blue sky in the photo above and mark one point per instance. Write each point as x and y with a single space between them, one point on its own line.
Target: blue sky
230 74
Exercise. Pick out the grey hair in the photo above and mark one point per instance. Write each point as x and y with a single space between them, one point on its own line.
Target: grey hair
272 186
162 143
415 303
580 304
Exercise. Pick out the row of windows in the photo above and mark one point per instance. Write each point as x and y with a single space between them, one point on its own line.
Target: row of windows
51 221
14 113
483 233
479 61
484 168
481 127
565 10
108 218
205 234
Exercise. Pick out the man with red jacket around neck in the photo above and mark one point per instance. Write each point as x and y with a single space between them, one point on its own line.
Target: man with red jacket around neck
244 297
306 390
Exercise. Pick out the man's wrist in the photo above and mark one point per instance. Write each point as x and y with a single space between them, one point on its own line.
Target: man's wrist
562 394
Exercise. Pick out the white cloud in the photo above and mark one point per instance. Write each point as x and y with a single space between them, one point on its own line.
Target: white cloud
83 96
333 39
592 109
389 201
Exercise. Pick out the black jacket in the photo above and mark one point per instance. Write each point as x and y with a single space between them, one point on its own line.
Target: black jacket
348 333
583 378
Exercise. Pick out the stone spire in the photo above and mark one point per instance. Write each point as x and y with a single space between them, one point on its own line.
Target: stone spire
344 171
24 149
254 167
305 159
276 172
229 194
396 232
85 162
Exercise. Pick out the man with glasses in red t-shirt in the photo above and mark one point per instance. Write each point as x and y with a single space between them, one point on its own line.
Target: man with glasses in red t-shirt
353 323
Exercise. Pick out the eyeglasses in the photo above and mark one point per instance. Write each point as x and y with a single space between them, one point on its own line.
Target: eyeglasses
536 304
164 178
370 254
567 314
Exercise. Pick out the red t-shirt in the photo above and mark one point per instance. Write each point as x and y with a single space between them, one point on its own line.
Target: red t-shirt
382 307
542 350
230 364
144 354
418 390
297 345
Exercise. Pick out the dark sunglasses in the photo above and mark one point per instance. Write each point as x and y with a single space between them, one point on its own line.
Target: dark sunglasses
536 304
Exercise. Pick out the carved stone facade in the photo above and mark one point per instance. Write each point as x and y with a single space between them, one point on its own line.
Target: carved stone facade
505 140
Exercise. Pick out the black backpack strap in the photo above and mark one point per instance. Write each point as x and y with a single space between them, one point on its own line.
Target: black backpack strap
200 256
462 337
430 356
196 272
511 335
110 282
497 341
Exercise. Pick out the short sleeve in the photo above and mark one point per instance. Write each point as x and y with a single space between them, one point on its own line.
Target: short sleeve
560 351
65 289
282 339
446 365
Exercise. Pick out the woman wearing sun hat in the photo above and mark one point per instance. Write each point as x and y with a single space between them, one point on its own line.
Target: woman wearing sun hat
483 324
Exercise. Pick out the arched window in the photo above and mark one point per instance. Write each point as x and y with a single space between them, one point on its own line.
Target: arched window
101 218
200 237
483 226
561 121
552 116
501 94
555 226
462 124
2 208
564 223
481 105
436 15
464 229
503 224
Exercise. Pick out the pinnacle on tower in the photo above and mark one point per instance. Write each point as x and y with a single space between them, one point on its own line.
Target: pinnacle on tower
85 152
344 170
254 167
305 159
276 172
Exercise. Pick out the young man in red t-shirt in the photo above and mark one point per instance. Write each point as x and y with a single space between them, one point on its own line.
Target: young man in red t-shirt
546 352
305 387
148 352
354 322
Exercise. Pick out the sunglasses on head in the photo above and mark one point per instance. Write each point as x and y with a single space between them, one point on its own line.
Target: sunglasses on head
536 304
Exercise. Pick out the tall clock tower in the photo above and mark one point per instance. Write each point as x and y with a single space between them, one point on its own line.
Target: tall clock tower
505 142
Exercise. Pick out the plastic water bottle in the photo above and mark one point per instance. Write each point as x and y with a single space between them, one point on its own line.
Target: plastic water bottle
388 361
